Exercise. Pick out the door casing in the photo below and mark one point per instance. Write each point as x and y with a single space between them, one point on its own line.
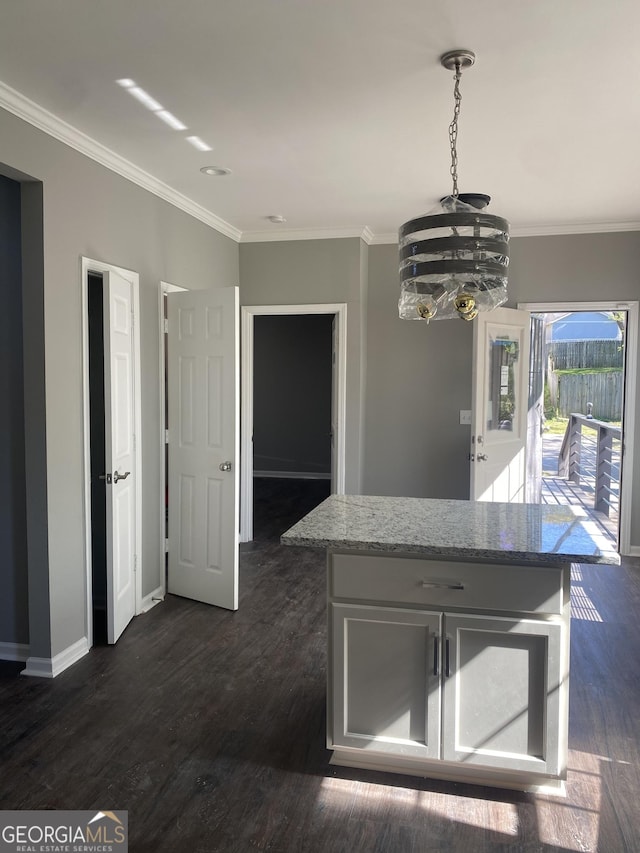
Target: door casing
629 400
89 265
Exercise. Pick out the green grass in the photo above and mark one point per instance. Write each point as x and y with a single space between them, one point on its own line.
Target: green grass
580 370
558 426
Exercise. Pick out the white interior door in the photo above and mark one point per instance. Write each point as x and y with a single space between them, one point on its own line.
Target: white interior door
500 402
203 394
119 452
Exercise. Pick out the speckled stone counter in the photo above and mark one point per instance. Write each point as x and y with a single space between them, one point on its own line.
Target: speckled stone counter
465 529
448 635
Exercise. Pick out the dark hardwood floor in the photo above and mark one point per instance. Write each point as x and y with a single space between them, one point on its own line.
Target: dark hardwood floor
208 727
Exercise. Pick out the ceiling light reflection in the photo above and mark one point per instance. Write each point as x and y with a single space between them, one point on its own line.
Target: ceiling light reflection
171 120
144 98
151 104
198 143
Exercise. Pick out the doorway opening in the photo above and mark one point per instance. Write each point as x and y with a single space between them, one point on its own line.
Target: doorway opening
293 407
292 435
97 460
580 407
112 423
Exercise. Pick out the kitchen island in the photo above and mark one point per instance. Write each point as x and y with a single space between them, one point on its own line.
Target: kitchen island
448 634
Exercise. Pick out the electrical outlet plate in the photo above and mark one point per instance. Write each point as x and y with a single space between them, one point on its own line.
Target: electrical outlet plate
465 416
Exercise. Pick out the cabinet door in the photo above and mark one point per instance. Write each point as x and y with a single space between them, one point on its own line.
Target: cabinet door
504 688
386 693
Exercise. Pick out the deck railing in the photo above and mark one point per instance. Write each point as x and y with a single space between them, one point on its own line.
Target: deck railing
590 457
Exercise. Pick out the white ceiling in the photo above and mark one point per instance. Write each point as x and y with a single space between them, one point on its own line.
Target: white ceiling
334 113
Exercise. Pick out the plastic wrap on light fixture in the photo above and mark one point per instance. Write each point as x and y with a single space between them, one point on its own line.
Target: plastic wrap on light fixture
453 262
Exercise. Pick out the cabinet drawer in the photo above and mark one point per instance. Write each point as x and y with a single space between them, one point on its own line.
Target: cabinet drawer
437 583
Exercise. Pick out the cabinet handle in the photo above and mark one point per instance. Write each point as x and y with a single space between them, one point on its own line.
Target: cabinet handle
436 655
447 668
442 585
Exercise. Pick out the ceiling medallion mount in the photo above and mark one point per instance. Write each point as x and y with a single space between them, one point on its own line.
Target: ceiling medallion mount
452 58
453 261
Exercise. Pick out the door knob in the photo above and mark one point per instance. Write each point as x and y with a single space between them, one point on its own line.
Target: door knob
225 466
481 457
117 476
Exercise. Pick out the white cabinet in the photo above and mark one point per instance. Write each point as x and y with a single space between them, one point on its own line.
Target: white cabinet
387 694
501 702
422 682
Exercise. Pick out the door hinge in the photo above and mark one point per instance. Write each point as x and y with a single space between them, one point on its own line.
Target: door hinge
166 546
166 326
135 562
166 436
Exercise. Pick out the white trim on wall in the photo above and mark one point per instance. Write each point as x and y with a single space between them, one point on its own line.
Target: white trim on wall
14 651
631 345
50 667
88 265
365 234
153 598
248 315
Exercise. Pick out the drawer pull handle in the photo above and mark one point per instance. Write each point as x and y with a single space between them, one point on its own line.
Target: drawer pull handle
447 661
442 585
436 655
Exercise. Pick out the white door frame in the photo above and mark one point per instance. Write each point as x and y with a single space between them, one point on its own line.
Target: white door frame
164 288
248 315
628 426
89 265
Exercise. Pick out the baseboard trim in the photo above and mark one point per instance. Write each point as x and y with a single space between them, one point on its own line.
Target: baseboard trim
152 599
14 651
51 667
292 475
634 550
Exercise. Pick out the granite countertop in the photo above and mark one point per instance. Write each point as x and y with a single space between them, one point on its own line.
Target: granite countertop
456 529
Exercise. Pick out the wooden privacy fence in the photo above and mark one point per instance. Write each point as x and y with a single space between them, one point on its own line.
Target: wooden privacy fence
567 355
604 390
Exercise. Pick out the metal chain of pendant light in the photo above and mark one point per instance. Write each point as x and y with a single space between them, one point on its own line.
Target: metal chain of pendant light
453 261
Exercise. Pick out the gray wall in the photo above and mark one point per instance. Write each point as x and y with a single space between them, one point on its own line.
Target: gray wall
419 376
292 393
90 211
416 377
317 271
14 607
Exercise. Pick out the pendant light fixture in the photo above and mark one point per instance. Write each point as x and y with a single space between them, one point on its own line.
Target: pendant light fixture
453 260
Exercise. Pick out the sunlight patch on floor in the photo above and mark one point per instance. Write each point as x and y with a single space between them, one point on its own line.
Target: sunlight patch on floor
582 606
566 825
490 816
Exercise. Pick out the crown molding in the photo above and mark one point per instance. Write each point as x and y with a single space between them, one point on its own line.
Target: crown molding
573 228
384 239
22 107
541 231
306 234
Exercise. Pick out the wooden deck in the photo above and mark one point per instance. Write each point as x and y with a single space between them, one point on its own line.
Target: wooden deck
559 490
